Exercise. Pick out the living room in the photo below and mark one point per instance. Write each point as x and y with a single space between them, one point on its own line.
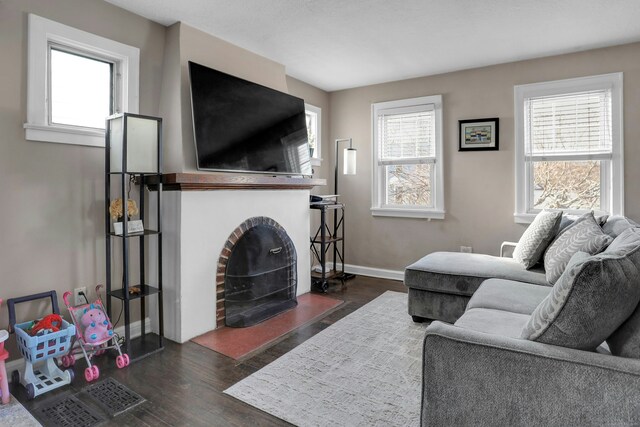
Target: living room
470 59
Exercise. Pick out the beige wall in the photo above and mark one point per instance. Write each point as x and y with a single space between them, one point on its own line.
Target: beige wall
319 98
479 186
52 195
170 102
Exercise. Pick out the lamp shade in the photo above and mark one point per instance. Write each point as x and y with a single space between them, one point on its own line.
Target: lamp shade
349 167
134 142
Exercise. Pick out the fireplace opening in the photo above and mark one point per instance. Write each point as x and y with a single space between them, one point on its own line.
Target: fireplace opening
260 279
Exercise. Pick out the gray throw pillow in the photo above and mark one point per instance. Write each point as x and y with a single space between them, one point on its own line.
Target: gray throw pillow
625 341
568 219
592 298
536 238
616 224
584 235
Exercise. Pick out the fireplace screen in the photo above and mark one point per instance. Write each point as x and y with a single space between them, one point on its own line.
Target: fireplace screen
260 279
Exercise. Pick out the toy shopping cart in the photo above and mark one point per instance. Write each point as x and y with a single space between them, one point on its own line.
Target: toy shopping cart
94 335
41 374
4 355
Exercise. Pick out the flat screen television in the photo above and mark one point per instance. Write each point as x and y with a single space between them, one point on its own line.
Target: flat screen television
241 126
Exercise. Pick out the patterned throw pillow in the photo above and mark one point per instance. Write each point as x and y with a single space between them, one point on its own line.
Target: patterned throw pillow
547 311
590 300
568 219
617 224
584 235
536 238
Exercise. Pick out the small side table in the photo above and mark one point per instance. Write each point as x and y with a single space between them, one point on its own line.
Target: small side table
325 239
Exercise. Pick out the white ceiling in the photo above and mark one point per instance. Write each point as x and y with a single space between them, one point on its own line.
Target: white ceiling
339 44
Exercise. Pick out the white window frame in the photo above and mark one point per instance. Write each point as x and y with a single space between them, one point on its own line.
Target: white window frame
44 33
612 177
316 160
378 179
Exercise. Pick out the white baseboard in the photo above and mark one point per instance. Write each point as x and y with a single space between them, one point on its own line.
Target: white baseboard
368 271
134 329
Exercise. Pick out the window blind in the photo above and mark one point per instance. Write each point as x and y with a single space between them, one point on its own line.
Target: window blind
575 123
407 137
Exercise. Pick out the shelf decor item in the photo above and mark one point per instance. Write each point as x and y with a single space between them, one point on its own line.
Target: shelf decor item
478 134
133 226
133 155
115 208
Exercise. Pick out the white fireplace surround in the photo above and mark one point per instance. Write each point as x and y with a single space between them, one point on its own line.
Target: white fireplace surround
196 225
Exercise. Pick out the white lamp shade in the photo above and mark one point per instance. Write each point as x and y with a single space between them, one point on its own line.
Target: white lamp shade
142 143
349 167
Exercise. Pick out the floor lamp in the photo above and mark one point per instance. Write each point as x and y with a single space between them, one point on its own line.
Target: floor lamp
349 168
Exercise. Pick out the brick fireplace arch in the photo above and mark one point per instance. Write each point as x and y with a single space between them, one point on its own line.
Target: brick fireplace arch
223 260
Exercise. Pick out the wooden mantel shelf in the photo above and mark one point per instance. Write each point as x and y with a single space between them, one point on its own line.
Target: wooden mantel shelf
220 181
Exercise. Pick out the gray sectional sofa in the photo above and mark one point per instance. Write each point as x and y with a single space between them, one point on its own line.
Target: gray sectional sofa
492 363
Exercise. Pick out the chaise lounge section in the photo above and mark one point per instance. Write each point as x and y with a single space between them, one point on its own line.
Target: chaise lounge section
442 283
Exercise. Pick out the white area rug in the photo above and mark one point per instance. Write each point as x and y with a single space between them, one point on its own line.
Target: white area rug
364 370
15 415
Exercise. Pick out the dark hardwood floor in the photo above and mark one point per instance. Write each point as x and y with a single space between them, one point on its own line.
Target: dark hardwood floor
184 384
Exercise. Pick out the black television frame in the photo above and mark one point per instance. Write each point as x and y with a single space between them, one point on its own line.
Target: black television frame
243 171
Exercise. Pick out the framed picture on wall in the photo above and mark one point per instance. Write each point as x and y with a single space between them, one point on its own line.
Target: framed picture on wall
478 134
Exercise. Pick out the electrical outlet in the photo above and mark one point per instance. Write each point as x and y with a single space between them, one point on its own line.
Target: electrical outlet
466 249
77 298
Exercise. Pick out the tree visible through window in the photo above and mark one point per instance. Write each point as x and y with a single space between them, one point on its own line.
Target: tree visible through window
409 185
567 185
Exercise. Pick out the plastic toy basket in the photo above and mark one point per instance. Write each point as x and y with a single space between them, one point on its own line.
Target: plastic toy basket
41 347
41 373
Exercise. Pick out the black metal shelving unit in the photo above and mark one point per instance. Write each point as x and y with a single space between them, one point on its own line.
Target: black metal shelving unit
148 342
325 239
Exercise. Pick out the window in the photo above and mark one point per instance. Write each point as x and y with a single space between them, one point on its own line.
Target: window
569 146
314 125
81 89
407 140
75 80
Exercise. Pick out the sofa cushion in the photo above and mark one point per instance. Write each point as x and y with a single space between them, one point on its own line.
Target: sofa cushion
537 237
462 273
490 321
625 341
592 298
508 295
584 235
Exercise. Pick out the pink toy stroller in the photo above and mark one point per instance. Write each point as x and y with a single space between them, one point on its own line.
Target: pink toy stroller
94 335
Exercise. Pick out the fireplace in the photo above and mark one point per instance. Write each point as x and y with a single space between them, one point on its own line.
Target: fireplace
201 223
257 274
